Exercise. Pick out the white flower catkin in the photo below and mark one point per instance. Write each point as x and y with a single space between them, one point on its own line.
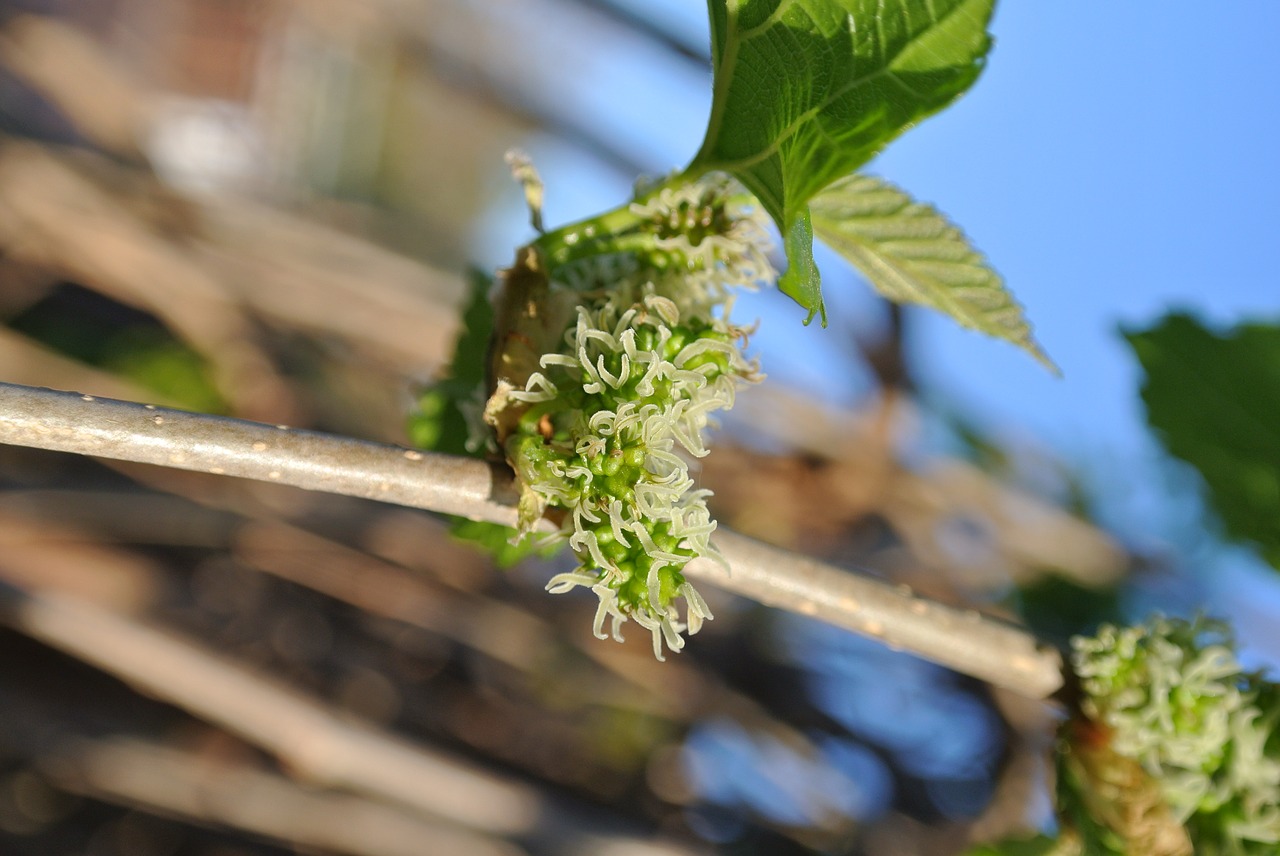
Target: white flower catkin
1174 698
613 417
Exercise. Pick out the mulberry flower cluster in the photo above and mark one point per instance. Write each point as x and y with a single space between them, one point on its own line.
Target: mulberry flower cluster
609 421
1172 697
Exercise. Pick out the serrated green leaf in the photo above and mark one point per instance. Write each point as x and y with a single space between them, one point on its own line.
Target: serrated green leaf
1214 400
806 91
911 253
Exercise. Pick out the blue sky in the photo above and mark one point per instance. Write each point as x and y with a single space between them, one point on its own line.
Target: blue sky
1112 162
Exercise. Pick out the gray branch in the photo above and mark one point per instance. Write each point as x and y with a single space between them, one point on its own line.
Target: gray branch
985 648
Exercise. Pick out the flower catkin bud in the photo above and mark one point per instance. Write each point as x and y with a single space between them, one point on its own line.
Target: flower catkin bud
603 427
1169 702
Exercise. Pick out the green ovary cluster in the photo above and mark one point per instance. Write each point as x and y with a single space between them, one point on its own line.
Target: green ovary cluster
1176 700
605 438
612 419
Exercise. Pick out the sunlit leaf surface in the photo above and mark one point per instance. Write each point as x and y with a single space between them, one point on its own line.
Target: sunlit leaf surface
808 90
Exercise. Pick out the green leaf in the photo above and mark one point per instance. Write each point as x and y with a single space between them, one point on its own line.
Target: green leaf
911 253
800 280
496 540
806 91
1214 400
1041 845
439 424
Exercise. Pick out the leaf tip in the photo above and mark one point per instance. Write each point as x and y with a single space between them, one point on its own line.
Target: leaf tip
801 281
819 311
1043 358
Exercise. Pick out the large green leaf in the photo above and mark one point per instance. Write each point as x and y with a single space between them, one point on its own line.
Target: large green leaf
806 91
911 253
1215 402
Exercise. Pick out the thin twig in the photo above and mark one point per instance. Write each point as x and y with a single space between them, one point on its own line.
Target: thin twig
963 640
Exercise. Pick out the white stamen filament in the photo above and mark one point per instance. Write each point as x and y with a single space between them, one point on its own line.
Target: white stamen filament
617 524
561 583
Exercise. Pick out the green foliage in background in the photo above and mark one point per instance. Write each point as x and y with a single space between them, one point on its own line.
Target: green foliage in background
154 359
134 347
1214 400
439 423
1057 607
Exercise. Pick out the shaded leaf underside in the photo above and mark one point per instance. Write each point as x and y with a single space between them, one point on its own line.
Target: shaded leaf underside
1214 400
